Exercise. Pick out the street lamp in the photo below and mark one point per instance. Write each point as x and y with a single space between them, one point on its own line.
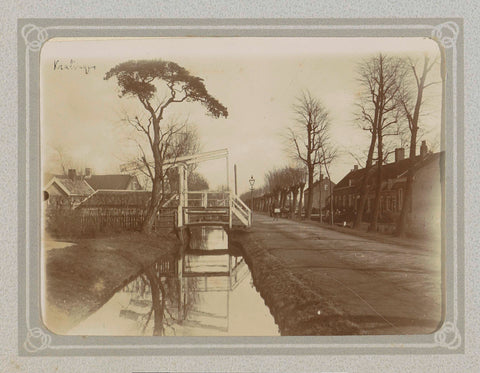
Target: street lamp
252 183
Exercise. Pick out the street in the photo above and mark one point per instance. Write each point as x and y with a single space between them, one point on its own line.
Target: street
383 288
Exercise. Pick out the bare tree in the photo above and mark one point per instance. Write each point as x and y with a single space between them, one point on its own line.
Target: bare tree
282 183
141 79
307 138
380 79
273 184
180 139
64 161
296 176
329 153
411 101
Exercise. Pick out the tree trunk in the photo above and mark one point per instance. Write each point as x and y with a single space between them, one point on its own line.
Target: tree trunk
402 220
283 198
155 199
364 185
378 190
158 304
157 187
293 205
331 194
308 207
300 203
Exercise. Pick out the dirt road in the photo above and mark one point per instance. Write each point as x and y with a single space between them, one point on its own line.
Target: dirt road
383 288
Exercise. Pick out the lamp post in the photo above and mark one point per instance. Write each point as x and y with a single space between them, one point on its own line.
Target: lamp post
252 183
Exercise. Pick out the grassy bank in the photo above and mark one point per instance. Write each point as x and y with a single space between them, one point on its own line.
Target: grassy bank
298 308
82 277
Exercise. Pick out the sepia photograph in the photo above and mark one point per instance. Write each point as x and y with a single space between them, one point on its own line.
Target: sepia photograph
242 186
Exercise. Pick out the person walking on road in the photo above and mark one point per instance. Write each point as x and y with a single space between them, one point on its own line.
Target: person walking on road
276 211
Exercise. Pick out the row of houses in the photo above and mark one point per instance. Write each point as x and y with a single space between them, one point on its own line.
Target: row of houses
425 208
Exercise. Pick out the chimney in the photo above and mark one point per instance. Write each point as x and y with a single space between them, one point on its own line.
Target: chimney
88 172
355 167
423 149
399 154
72 174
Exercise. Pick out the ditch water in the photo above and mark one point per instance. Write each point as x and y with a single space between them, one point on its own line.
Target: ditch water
204 290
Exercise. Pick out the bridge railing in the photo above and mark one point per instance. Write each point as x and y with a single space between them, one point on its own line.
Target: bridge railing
210 206
241 210
208 199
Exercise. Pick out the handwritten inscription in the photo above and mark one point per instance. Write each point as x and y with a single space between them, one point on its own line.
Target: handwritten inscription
72 65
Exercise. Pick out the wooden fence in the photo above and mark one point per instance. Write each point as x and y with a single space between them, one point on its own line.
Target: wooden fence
63 221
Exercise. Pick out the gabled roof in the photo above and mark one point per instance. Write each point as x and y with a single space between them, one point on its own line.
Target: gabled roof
324 181
353 175
389 171
71 187
112 182
117 198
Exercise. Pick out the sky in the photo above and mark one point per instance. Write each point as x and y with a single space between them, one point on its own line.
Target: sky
257 79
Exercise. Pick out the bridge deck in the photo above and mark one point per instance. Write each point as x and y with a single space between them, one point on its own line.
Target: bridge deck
208 223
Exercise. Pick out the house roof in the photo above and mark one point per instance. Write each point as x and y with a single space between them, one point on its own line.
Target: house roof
78 187
112 182
353 175
389 171
117 198
324 181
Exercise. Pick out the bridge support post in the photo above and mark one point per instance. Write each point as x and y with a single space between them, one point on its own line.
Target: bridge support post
183 194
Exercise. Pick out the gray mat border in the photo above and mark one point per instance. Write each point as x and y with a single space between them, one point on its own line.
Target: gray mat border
35 340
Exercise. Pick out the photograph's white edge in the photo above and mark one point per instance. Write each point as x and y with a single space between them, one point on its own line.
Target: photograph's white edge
447 337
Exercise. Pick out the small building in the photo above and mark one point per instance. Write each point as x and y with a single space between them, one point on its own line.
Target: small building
67 191
71 189
321 192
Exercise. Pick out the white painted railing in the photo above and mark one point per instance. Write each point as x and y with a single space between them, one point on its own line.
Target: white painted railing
240 210
205 202
208 199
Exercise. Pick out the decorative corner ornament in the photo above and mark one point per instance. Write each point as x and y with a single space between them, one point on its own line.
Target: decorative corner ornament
36 340
448 336
34 37
446 33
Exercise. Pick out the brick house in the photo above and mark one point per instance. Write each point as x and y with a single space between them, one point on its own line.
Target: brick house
323 187
425 210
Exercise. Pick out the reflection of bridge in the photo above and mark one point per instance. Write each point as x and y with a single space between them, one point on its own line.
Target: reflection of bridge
218 208
205 273
204 265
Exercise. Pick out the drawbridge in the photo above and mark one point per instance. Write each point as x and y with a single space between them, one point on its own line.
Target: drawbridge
208 207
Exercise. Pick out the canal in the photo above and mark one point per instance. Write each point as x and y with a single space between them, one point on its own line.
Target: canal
205 289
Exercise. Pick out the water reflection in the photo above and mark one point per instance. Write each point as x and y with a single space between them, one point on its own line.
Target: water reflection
206 289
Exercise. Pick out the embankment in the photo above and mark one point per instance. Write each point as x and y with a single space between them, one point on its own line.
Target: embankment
298 308
82 277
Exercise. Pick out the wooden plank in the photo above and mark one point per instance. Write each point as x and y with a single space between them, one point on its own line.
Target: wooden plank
209 223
